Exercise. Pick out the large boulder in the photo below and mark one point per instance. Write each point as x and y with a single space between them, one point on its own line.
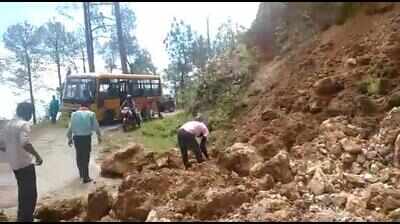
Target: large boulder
221 201
129 159
60 210
169 160
133 205
328 86
279 168
239 158
99 204
152 182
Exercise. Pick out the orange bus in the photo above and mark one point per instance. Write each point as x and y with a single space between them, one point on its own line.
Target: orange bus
105 92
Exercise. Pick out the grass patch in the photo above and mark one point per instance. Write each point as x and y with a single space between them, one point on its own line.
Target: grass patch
46 124
156 136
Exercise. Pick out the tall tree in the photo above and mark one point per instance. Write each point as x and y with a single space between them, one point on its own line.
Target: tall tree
179 45
138 60
89 35
142 63
225 38
109 52
94 25
78 47
171 74
200 51
58 46
121 43
23 40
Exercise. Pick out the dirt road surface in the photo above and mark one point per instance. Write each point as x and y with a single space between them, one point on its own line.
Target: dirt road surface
57 175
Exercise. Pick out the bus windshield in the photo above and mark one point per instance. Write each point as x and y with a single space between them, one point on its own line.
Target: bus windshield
80 89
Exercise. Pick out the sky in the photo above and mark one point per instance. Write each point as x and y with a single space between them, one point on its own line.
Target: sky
153 23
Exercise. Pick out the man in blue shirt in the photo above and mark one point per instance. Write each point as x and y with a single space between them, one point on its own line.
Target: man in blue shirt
54 108
83 123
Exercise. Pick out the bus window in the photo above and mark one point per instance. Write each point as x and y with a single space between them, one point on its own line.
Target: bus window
155 87
79 90
147 88
136 89
109 89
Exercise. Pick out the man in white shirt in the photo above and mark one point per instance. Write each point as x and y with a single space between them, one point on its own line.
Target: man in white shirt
187 134
18 151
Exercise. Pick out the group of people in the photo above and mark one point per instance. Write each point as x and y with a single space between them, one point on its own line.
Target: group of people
16 145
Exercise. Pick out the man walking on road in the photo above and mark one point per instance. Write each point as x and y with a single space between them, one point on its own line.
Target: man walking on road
83 123
18 151
54 107
187 140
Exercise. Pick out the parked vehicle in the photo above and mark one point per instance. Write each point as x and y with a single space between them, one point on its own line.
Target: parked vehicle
130 118
106 92
167 104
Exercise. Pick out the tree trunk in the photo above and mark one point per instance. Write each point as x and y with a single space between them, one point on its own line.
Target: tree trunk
28 65
89 36
59 73
208 39
83 60
182 87
121 44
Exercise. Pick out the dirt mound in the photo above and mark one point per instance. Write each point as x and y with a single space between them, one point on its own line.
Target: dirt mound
131 158
56 211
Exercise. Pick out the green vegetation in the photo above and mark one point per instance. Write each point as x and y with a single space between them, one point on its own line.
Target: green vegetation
372 86
223 100
62 123
348 10
156 136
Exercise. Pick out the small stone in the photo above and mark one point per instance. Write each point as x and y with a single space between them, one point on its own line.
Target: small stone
361 159
370 178
395 214
350 146
339 199
318 182
391 203
354 204
374 168
371 155
356 168
354 179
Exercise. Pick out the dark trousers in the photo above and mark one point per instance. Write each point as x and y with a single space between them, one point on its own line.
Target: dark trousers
83 145
27 193
187 141
53 118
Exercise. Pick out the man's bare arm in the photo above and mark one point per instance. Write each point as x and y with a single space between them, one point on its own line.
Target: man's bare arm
29 148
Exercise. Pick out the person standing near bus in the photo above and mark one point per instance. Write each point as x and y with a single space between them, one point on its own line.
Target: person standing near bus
18 150
54 108
83 123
